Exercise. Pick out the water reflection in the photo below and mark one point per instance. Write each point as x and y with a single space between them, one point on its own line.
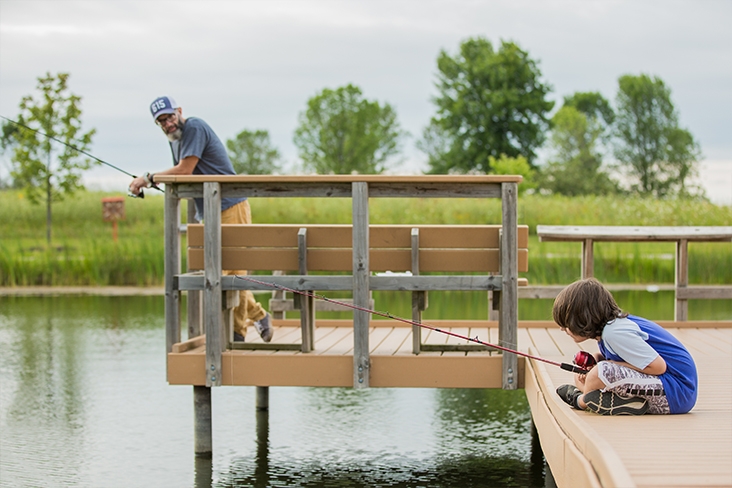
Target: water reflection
261 472
84 402
203 472
392 437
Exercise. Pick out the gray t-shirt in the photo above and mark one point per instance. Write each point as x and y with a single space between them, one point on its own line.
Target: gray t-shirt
200 140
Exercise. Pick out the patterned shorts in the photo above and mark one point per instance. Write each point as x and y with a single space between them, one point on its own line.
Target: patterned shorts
628 382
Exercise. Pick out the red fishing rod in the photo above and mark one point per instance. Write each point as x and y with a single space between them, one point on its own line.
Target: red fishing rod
582 358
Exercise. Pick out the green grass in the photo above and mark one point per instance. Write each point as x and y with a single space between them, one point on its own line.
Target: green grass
83 252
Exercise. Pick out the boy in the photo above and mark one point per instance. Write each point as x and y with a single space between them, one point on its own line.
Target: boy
641 367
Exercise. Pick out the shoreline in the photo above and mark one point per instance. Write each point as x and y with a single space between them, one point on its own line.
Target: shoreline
120 291
27 291
112 291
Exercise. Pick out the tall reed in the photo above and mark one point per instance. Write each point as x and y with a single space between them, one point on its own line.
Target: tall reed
83 252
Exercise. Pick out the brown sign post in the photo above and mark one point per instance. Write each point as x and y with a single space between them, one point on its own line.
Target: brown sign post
113 209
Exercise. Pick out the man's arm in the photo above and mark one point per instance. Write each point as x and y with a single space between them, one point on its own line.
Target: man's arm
184 167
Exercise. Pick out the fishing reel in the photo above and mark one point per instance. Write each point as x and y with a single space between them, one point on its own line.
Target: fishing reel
139 195
584 360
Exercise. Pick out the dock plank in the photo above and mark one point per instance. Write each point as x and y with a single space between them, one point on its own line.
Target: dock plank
694 449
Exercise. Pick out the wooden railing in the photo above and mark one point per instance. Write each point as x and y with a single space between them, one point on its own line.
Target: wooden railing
359 189
681 236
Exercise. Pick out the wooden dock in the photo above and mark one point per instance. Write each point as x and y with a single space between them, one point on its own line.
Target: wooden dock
582 449
588 450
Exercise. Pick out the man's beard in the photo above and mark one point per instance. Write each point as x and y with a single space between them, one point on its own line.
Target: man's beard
176 134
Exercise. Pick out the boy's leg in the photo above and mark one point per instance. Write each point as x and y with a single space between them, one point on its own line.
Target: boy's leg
629 383
612 389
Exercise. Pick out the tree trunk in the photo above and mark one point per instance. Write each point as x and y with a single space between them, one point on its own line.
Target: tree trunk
48 210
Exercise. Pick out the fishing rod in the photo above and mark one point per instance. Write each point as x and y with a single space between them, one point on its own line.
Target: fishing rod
582 358
141 195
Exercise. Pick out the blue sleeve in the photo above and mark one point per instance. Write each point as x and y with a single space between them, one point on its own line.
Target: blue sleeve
624 338
194 141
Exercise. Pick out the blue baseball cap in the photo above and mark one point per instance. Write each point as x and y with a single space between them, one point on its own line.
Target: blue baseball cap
162 105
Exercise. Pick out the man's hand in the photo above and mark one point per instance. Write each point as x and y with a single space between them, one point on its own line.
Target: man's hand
137 185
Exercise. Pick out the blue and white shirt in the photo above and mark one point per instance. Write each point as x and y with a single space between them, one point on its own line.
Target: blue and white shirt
638 342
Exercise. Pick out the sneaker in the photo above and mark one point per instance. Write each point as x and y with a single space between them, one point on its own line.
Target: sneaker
264 327
238 337
609 403
570 394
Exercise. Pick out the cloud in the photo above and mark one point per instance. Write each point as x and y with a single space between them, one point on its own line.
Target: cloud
253 64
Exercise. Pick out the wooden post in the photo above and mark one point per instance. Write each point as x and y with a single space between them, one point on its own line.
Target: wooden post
307 304
263 398
193 303
508 324
202 432
361 361
202 438
212 299
417 296
172 267
682 279
588 259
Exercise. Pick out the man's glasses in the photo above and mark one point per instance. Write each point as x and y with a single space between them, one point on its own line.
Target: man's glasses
164 119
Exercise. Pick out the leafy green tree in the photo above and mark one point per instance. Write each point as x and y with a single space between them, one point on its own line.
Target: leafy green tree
341 132
593 105
576 165
46 171
514 166
251 153
659 156
490 103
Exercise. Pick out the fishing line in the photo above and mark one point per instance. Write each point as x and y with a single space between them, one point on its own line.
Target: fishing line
142 195
565 366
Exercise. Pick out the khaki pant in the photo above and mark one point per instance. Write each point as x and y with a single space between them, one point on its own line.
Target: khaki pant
249 310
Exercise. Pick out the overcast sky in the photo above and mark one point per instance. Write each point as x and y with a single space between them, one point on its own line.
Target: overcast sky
253 64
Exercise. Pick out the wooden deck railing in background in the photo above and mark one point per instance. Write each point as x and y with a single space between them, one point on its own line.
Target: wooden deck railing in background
680 235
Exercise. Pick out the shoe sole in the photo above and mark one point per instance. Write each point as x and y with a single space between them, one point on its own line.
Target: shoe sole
609 403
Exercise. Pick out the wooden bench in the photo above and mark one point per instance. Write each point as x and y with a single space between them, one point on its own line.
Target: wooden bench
421 258
588 235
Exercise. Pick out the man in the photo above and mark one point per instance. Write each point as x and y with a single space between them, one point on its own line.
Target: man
198 150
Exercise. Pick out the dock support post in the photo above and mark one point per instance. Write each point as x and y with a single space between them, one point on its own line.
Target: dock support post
213 316
263 398
193 302
681 312
172 268
588 259
361 362
419 298
202 437
508 324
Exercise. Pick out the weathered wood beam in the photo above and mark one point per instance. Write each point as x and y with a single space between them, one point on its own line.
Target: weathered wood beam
361 272
212 299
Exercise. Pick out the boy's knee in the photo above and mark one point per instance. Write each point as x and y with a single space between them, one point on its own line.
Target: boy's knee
593 381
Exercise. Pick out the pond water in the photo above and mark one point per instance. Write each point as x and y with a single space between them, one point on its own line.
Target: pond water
84 403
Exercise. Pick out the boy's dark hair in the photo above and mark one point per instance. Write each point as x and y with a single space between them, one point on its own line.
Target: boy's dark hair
584 307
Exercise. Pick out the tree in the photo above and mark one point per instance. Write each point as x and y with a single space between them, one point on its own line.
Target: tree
576 166
44 170
659 157
490 103
515 166
593 105
252 153
341 132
